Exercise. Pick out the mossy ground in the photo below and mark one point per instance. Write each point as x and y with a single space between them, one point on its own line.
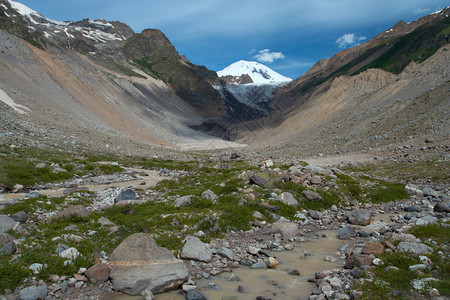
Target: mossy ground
397 284
169 225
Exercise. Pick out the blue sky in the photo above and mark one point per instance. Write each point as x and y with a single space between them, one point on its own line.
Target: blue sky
288 36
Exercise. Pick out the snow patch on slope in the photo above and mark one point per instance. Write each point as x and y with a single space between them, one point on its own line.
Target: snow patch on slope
257 71
4 97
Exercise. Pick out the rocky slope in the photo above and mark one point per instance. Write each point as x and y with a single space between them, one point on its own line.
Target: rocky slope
99 82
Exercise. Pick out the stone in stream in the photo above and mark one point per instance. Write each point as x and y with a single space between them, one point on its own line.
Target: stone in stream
294 273
346 233
288 199
128 194
359 217
195 249
139 264
34 292
194 295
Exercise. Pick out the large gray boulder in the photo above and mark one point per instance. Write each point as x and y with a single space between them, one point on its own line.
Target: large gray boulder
139 264
128 194
195 249
415 248
209 195
34 292
288 199
6 223
288 229
359 217
73 210
347 233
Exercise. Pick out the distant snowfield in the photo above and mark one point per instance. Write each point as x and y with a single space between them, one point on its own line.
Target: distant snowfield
4 97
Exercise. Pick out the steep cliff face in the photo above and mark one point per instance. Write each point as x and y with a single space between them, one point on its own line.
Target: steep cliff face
153 51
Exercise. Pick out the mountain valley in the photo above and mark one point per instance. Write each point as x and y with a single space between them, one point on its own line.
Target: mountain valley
128 170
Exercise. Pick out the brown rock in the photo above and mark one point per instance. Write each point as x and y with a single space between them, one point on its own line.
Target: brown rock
73 210
389 245
357 260
373 248
98 273
79 277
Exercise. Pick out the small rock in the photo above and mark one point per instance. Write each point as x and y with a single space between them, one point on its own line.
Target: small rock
359 217
17 188
209 195
6 223
426 220
314 214
73 210
416 248
357 260
98 273
70 253
128 194
197 250
36 268
225 252
258 265
272 263
439 207
417 267
346 233
182 201
194 295
257 180
312 196
373 248
34 292
294 273
412 209
20 217
105 222
288 199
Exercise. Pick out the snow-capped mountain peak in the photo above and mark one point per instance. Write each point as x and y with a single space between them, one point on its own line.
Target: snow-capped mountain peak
257 71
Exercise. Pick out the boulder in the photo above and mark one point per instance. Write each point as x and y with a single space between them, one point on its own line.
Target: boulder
139 264
359 217
439 207
416 248
357 260
428 192
209 195
257 180
20 217
73 210
128 194
182 201
314 214
105 222
6 223
413 191
8 248
98 273
195 249
288 229
5 238
225 252
346 233
34 292
312 196
70 253
373 248
288 199
426 220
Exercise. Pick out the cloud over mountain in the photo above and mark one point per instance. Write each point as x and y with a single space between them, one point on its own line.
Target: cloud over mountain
266 56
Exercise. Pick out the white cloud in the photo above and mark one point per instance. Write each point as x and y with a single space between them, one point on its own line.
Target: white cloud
349 39
265 56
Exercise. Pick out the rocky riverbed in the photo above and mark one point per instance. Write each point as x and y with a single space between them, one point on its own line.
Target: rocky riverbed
287 251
